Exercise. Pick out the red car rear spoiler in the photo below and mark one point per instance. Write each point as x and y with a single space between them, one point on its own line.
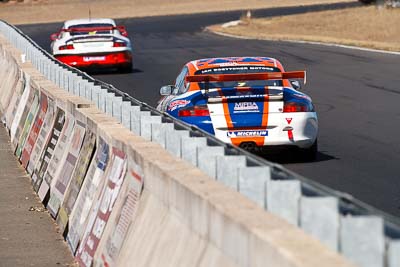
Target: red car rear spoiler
247 76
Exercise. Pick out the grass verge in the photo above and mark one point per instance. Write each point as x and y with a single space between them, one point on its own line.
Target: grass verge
369 27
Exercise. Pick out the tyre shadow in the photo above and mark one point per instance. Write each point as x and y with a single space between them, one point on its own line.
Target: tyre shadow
293 157
110 71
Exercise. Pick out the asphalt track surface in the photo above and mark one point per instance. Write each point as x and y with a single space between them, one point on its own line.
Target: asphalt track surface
356 93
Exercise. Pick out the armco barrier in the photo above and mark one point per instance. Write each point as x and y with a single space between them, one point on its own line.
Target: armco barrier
207 225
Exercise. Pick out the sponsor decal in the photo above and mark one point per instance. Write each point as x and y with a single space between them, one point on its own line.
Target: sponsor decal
99 58
177 104
289 120
245 107
229 67
290 135
233 134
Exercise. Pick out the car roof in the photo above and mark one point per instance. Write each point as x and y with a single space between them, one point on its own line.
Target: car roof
72 22
207 63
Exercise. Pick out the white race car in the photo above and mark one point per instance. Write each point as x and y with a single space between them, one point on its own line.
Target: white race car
93 43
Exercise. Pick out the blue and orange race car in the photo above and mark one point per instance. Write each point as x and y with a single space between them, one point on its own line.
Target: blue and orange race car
250 102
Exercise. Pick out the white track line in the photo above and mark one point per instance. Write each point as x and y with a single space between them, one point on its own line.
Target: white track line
306 42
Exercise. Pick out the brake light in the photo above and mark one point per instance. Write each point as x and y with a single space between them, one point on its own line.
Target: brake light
122 30
297 107
67 47
195 111
119 44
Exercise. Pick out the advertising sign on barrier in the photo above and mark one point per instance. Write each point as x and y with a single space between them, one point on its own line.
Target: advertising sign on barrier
61 181
33 135
93 181
43 136
48 151
82 165
20 109
11 79
28 122
102 208
123 213
13 105
58 156
24 117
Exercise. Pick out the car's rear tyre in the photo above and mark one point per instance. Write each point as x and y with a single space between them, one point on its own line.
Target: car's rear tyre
309 154
367 2
125 68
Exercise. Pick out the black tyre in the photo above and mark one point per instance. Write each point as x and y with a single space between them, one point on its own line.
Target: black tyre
125 68
367 2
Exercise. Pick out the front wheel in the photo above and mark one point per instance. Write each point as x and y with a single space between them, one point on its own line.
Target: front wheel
309 154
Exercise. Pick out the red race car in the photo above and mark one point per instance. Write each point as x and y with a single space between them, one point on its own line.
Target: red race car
93 43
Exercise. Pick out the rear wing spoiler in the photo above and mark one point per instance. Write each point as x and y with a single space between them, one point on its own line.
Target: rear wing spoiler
223 99
93 30
247 76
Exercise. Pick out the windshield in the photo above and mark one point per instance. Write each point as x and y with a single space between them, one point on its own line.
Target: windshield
89 26
240 70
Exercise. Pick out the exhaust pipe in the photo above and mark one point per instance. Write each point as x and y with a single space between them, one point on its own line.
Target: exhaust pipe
249 146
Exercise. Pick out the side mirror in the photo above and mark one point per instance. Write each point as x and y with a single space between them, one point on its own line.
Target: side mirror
54 36
167 89
295 84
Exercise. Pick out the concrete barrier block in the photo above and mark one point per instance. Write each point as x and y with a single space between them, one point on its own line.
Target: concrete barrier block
192 206
189 147
146 125
88 90
81 90
58 77
102 100
362 240
252 183
117 108
72 78
159 132
228 170
91 91
96 91
158 185
109 103
206 159
126 114
319 216
76 89
173 141
95 116
136 116
76 102
283 197
66 82
230 237
393 254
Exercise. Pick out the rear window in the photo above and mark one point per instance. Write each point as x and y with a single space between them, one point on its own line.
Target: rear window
91 28
240 70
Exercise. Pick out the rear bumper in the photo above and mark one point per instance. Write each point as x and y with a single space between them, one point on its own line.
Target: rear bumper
301 132
106 60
